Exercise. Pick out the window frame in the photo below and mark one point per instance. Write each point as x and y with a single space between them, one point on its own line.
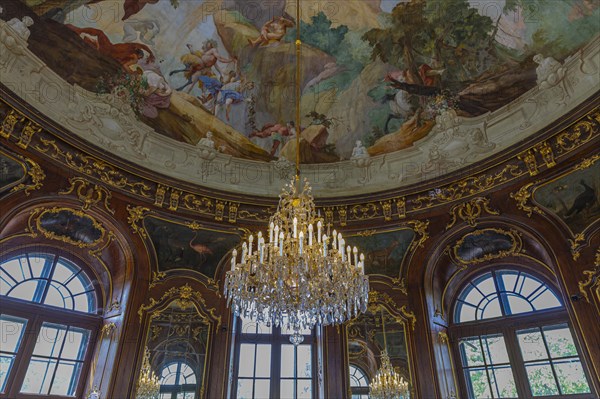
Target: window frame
508 326
362 389
276 339
173 390
36 315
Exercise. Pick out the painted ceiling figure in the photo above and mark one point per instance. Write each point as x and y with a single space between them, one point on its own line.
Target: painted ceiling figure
272 31
127 54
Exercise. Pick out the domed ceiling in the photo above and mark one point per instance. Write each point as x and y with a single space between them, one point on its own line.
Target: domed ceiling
393 92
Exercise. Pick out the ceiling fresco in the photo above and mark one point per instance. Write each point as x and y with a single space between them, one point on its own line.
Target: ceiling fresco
377 75
11 172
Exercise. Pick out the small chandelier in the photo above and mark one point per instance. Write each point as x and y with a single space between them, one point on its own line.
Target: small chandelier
148 383
387 384
302 276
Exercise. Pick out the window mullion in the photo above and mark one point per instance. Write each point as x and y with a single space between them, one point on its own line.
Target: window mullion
516 362
23 358
49 278
550 360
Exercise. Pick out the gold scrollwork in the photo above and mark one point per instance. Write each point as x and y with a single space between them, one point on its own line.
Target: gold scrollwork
387 210
578 134
197 204
35 173
587 163
136 215
364 211
523 197
515 249
576 245
184 297
93 167
410 315
108 329
157 278
420 228
547 154
470 211
592 279
443 337
89 194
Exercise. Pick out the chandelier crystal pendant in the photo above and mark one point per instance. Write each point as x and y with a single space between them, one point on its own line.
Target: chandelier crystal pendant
148 383
301 274
387 384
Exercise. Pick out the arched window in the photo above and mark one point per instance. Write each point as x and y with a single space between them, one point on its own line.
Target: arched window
48 322
359 383
514 339
177 381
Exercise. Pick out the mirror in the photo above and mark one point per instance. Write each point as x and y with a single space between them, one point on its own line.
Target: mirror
366 341
178 339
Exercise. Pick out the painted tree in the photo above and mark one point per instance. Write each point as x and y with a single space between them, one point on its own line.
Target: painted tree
447 34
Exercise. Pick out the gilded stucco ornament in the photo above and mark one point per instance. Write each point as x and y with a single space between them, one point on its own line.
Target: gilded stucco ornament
592 280
470 211
185 297
89 194
136 216
36 176
523 199
10 121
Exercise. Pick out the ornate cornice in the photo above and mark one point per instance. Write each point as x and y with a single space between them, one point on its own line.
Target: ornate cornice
162 193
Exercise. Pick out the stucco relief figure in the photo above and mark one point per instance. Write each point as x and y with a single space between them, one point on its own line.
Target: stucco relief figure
272 31
549 72
21 26
359 151
207 141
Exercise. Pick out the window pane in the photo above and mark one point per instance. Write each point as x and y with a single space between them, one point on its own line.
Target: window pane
532 345
571 377
495 349
546 300
304 389
6 362
541 379
286 389
304 369
479 385
58 296
518 304
466 313
250 326
26 290
246 368
263 360
287 361
39 376
262 389
50 340
560 341
11 333
503 382
470 350
244 390
491 309
77 340
65 381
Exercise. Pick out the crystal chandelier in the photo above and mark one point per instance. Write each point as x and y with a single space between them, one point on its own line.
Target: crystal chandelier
148 383
302 274
387 384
